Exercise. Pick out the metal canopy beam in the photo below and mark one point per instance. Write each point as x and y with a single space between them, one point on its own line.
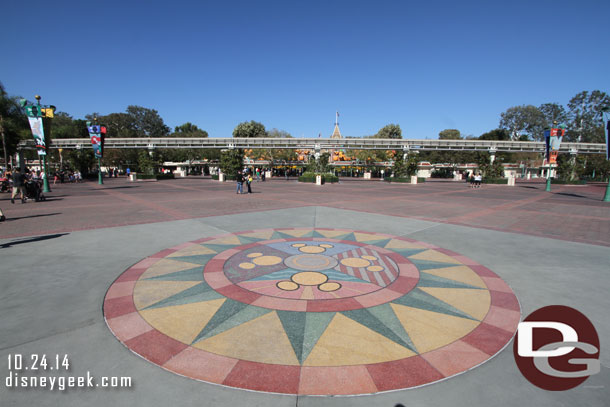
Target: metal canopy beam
327 144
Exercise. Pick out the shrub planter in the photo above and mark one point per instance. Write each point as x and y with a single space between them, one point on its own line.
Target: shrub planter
404 180
495 181
311 177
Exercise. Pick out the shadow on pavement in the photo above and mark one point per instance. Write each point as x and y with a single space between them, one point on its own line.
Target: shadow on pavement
574 195
32 216
121 187
32 240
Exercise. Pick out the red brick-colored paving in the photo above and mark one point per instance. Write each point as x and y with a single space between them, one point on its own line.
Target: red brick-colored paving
573 213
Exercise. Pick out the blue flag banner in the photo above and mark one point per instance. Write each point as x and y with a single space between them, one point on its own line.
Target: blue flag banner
97 134
547 141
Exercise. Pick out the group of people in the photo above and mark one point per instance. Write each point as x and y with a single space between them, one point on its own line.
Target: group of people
18 180
475 180
248 175
240 178
71 176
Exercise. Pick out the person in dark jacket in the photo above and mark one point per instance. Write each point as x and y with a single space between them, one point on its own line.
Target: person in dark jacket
239 178
18 184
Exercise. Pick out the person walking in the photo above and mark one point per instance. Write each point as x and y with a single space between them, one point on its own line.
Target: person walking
18 184
239 178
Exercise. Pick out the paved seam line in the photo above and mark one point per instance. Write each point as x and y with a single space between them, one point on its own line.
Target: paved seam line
167 211
95 322
505 206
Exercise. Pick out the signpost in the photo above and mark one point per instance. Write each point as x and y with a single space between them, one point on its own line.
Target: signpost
97 134
553 138
40 117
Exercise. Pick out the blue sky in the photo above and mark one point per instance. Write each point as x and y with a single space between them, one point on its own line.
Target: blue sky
426 65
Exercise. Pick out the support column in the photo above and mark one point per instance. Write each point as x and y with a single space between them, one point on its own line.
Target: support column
21 159
492 155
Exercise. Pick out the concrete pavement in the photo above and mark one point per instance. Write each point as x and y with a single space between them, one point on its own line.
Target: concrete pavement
52 286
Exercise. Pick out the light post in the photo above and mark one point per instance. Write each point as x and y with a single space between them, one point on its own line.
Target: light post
553 139
97 133
45 178
39 117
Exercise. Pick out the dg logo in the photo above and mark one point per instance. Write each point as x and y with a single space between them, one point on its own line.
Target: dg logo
557 348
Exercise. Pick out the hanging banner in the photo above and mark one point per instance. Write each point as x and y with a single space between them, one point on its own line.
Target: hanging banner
547 141
35 120
554 143
556 138
97 134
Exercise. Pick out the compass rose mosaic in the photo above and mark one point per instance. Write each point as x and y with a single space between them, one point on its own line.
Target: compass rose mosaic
312 311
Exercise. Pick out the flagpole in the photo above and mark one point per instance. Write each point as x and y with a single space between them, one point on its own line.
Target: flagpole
45 180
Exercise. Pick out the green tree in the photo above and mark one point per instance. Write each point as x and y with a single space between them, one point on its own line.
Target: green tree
319 166
450 134
585 122
389 131
82 160
147 164
278 154
249 129
183 154
275 133
64 126
552 113
497 134
596 167
188 129
136 122
13 123
231 161
404 168
120 125
490 169
570 168
524 119
147 122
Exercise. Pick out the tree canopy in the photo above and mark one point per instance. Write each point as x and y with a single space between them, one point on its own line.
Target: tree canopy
524 119
249 129
147 122
389 131
13 121
450 134
188 129
497 134
585 121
